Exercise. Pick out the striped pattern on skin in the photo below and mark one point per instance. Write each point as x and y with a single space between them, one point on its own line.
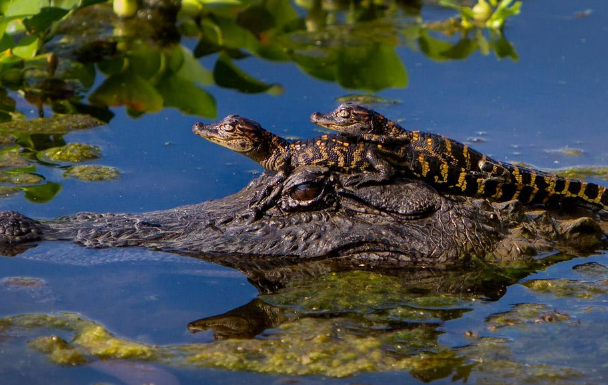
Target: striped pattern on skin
455 166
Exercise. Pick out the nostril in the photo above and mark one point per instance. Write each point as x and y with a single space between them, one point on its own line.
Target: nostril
315 116
197 127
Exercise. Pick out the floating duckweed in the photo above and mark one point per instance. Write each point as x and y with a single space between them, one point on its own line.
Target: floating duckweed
60 124
569 288
72 152
92 172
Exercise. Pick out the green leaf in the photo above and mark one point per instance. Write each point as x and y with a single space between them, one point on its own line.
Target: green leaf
192 69
27 47
461 50
128 89
432 47
227 75
183 94
235 36
20 170
503 48
145 59
373 67
42 21
66 4
41 193
25 7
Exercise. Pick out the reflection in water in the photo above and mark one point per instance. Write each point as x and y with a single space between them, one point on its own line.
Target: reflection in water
60 53
343 323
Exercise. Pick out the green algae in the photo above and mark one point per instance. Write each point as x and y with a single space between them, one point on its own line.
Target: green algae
583 172
20 178
307 346
360 292
366 99
59 124
92 173
566 151
592 269
524 314
58 350
71 152
569 288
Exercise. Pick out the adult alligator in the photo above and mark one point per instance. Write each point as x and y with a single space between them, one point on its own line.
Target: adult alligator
318 221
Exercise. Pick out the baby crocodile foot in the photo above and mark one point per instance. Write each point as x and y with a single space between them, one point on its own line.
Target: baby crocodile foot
363 178
16 228
493 170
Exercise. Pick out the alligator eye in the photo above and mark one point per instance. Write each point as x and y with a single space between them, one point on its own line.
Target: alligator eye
306 191
228 128
344 113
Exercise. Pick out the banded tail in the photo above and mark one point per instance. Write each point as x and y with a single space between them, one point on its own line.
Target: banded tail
525 184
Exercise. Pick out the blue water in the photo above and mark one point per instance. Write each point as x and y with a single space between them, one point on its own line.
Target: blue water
556 95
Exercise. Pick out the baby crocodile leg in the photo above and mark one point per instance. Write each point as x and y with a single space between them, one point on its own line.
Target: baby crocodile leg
383 171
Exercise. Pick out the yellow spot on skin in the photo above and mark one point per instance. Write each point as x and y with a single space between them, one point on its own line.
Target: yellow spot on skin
424 164
346 144
533 184
379 146
444 171
581 193
498 191
462 182
324 137
518 191
415 136
551 187
467 156
566 188
534 191
448 146
600 194
482 187
517 173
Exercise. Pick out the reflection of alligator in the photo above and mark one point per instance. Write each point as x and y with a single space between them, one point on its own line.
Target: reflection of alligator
444 161
315 219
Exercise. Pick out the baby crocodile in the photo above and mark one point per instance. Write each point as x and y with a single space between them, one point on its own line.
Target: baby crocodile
277 154
455 165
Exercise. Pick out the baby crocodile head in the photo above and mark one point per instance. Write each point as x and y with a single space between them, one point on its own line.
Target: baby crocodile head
348 118
234 132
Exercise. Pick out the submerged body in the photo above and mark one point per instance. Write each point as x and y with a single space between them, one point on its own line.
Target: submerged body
455 166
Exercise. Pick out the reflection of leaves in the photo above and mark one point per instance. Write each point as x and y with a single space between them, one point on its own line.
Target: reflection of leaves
127 89
186 66
226 74
40 22
370 68
188 97
41 193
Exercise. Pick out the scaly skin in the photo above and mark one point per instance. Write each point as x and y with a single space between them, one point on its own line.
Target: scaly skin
276 154
455 166
317 225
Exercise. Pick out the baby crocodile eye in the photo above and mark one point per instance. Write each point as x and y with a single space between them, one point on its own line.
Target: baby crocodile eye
228 128
306 191
344 113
